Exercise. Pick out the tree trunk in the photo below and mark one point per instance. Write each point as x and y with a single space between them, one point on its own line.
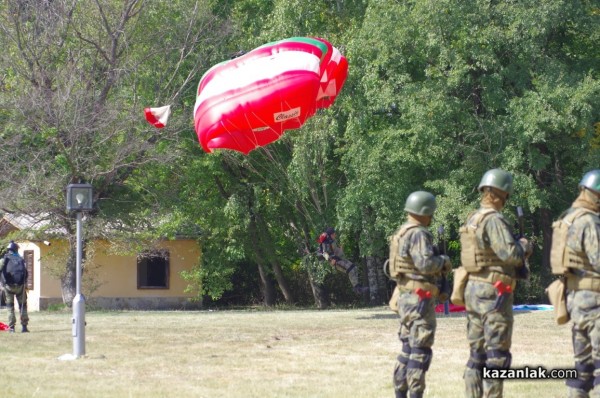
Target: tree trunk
68 281
265 278
376 280
264 244
543 181
546 227
282 282
267 286
319 293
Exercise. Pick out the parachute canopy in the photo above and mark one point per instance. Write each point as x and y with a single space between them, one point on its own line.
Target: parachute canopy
249 101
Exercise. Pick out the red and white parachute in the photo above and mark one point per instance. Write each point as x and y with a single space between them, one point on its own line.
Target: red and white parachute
158 117
249 101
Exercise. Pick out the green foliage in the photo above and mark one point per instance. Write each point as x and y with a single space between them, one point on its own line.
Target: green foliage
438 92
318 269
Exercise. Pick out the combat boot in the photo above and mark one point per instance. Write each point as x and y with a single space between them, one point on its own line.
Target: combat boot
24 329
11 329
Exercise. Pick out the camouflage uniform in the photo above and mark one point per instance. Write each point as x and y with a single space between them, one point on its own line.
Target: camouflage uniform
417 328
18 291
489 329
490 254
583 298
416 268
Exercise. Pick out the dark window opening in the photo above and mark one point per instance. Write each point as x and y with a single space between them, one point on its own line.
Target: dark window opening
153 270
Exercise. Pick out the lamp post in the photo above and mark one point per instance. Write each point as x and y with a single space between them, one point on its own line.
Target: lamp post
80 200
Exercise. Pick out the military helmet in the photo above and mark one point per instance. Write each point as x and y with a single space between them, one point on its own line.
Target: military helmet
421 203
591 181
12 246
497 178
330 230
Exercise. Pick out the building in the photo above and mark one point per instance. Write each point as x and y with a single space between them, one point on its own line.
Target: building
150 279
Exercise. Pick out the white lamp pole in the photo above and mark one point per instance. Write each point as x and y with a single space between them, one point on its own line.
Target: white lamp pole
79 199
79 299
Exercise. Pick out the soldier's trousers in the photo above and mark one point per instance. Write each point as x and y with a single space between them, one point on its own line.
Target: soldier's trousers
489 332
20 293
416 333
584 309
350 269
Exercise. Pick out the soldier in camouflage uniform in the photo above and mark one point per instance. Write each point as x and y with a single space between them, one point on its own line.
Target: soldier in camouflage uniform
14 289
334 254
491 255
583 287
417 270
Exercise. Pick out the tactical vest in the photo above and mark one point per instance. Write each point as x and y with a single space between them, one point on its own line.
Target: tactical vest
398 264
562 257
472 257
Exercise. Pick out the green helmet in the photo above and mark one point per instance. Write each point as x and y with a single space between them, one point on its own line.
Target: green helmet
420 203
497 178
591 180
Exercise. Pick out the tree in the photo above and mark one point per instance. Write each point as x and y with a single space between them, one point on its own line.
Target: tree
280 197
447 89
76 79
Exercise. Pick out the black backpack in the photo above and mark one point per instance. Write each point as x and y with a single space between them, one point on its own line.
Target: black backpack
14 271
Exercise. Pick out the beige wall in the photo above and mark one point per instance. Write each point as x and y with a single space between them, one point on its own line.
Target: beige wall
114 276
117 275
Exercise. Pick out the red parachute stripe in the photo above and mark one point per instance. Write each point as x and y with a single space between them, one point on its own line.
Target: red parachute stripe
152 119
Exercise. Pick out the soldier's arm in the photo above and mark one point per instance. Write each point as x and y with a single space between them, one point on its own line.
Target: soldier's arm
422 253
497 235
584 236
592 244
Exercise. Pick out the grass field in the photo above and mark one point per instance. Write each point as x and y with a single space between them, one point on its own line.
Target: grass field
254 353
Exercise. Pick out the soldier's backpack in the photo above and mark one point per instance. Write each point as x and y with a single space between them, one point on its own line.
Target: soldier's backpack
558 250
14 271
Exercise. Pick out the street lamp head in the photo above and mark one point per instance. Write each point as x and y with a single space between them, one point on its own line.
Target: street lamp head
79 197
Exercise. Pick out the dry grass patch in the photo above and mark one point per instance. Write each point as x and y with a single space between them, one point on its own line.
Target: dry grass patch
299 353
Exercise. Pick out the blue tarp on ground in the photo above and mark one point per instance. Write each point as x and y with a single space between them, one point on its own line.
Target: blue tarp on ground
533 307
521 307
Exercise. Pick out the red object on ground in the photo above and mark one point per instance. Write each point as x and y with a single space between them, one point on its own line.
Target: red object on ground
452 307
3 326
